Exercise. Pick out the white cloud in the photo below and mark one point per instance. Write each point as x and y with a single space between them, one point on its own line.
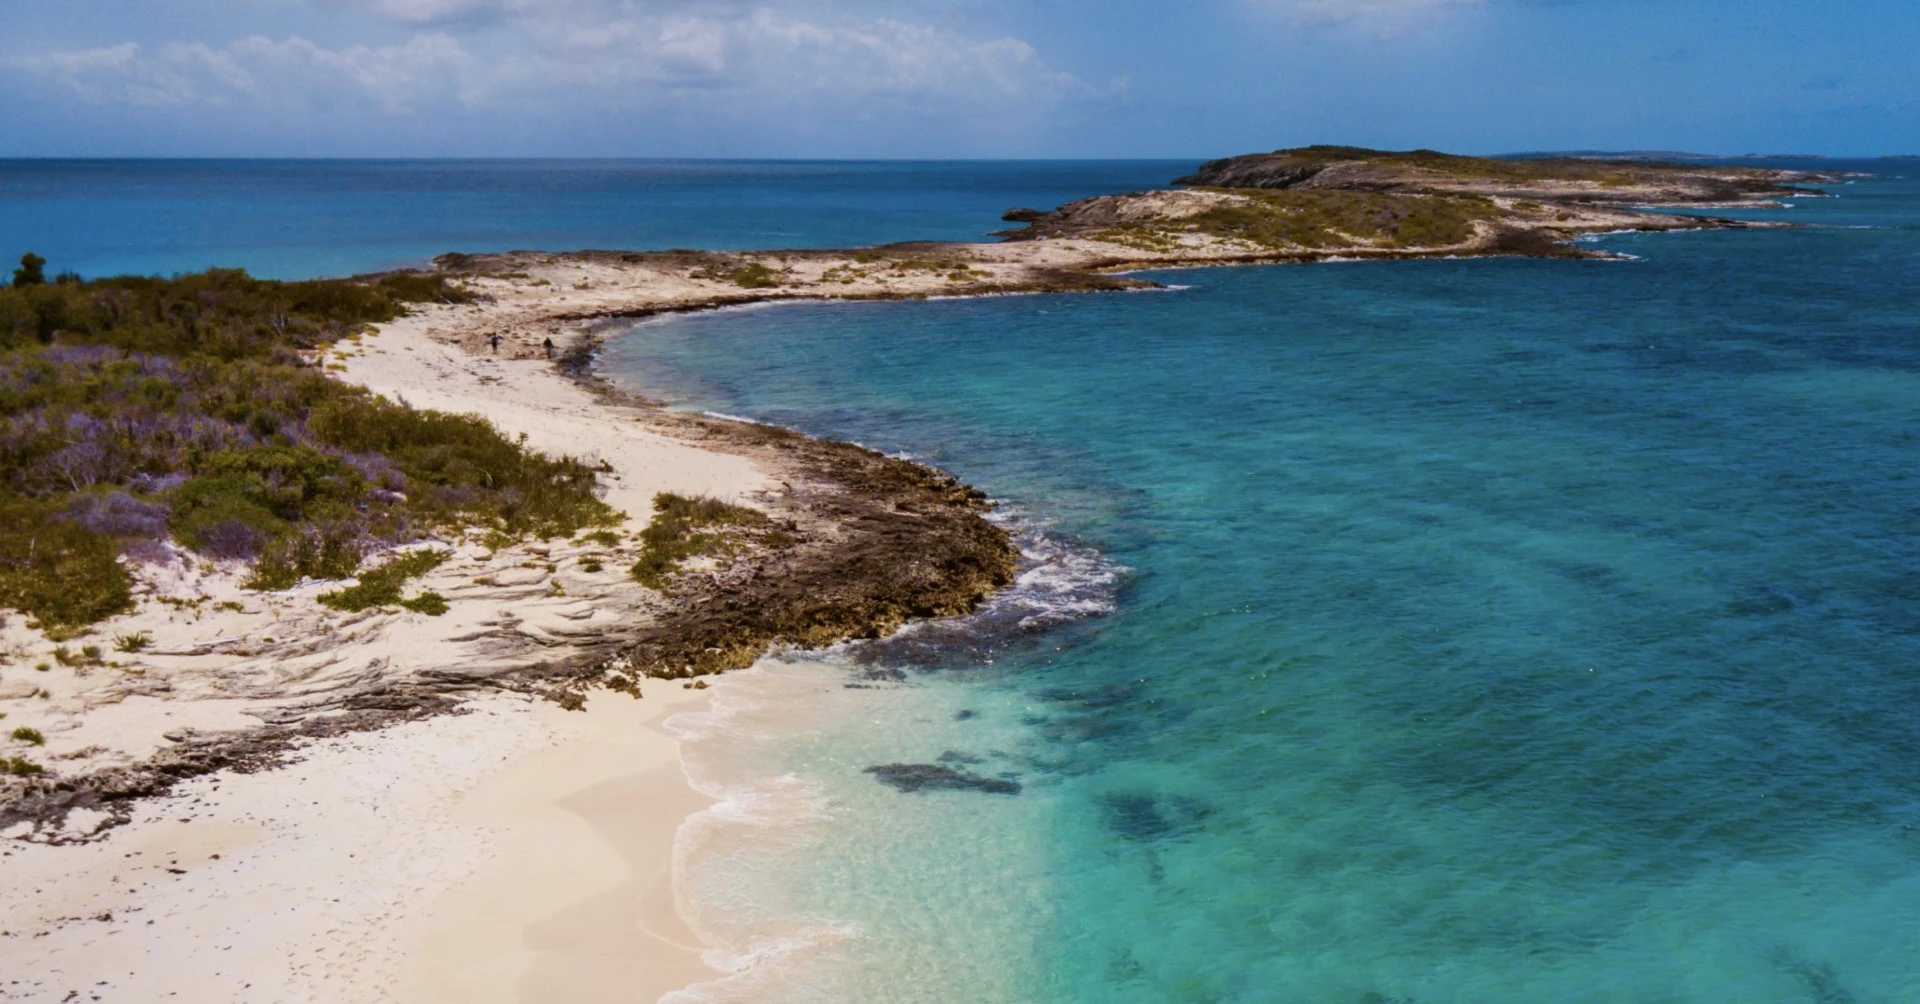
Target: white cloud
440 11
606 53
429 68
1383 16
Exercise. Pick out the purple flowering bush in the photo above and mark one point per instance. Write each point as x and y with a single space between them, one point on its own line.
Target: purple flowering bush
137 411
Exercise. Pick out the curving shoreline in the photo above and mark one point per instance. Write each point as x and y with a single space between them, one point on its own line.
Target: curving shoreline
876 542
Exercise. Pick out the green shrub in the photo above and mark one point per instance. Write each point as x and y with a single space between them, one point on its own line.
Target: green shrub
20 767
89 655
319 551
56 572
428 602
136 642
220 312
746 275
32 270
755 276
467 470
214 515
380 587
30 736
414 287
295 483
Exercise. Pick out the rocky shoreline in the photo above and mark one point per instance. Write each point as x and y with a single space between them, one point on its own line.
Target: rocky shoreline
869 543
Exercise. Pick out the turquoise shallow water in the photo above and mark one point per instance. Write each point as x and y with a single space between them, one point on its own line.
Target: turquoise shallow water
1457 631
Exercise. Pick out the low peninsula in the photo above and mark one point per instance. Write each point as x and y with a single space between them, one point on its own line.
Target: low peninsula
1305 205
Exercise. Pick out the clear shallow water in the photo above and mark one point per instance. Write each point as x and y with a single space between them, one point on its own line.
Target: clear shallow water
299 219
1491 631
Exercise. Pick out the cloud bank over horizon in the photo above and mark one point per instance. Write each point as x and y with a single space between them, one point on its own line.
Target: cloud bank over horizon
916 78
618 55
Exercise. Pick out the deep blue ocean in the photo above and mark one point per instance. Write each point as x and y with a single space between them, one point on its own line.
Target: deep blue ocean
297 219
1473 631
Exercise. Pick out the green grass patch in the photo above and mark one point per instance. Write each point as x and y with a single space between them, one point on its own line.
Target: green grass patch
136 642
428 602
685 528
1333 220
89 655
381 587
20 767
1140 237
30 736
752 275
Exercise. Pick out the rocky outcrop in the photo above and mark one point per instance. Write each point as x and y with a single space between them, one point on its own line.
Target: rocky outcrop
1556 179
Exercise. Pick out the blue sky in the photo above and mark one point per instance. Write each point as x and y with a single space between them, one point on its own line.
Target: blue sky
959 78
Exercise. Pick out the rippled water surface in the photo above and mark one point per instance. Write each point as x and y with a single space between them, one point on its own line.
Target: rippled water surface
294 219
1454 631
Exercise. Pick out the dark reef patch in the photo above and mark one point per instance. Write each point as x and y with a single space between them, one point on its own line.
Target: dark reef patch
1817 977
1144 818
914 777
1091 698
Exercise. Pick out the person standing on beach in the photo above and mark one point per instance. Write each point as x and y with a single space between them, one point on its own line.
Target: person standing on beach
495 339
549 344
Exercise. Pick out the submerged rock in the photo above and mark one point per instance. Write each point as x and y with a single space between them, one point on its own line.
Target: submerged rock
1145 818
935 777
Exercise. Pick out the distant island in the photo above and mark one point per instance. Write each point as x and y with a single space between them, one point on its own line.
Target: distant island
1307 204
1322 200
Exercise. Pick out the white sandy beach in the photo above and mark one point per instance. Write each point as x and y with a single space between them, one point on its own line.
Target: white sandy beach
516 852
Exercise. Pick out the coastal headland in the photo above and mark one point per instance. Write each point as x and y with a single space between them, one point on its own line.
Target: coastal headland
1311 204
377 774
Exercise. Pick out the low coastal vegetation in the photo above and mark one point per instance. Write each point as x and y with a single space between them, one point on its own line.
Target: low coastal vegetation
1285 220
1323 219
684 528
1605 172
20 767
164 420
381 587
1577 179
745 274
